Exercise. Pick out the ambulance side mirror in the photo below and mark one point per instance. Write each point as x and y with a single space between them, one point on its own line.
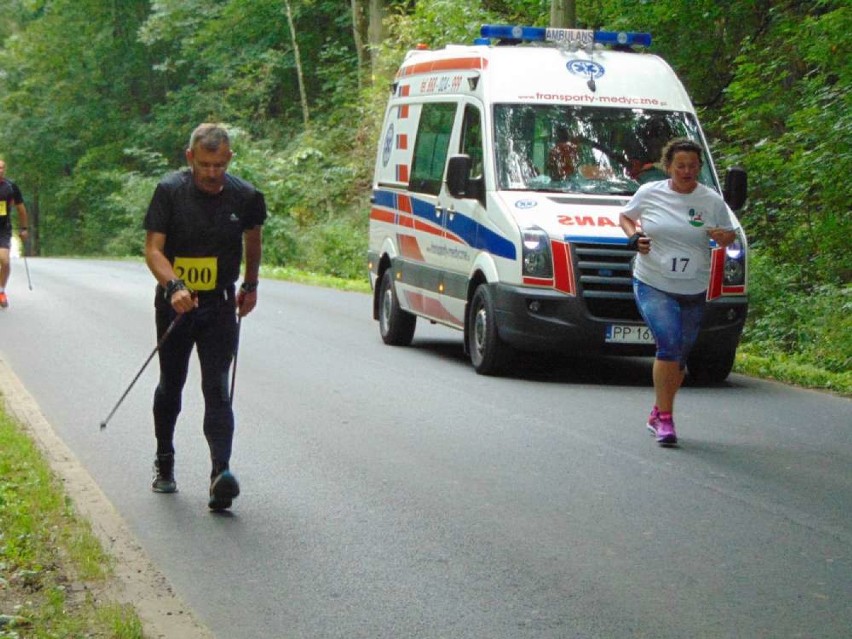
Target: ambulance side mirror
736 187
458 175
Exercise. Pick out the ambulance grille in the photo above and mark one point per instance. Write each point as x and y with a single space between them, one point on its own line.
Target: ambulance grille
604 277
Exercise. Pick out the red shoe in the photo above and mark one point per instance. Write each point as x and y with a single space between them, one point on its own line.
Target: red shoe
4 301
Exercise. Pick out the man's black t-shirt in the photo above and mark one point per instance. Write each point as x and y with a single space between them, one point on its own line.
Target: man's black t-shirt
203 229
10 196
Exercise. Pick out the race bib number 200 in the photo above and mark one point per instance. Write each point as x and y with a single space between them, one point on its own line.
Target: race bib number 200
199 273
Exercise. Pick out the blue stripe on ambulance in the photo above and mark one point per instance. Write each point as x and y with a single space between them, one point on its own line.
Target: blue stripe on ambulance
425 211
385 198
478 236
597 240
468 230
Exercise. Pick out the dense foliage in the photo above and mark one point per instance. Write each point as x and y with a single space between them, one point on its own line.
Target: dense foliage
98 98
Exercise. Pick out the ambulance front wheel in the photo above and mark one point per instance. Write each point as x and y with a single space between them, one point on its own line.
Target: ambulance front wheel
396 325
488 353
708 366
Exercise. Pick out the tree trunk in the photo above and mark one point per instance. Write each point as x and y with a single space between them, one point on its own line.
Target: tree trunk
376 30
563 14
360 33
298 59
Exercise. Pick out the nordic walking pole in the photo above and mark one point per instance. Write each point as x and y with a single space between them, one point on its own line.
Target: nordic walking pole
27 267
147 361
236 351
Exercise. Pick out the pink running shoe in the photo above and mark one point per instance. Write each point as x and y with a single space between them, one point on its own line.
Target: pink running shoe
4 301
653 420
666 435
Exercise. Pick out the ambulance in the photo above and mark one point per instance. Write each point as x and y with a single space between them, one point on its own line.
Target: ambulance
500 172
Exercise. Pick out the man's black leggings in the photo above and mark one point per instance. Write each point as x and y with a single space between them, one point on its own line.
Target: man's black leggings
212 329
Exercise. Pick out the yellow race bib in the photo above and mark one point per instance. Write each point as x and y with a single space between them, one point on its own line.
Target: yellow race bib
199 273
3 212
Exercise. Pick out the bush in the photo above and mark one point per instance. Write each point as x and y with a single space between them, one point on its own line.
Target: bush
788 316
338 249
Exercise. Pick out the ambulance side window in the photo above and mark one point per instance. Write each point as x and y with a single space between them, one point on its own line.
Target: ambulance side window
431 147
472 140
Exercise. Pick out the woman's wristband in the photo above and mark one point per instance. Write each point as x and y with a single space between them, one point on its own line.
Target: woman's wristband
633 242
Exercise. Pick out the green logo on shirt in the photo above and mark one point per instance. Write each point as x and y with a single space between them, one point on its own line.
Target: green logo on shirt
696 219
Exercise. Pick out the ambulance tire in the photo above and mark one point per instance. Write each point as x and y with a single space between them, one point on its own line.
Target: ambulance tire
489 354
708 367
395 325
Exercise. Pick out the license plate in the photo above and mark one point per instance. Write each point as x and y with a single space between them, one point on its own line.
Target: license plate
627 334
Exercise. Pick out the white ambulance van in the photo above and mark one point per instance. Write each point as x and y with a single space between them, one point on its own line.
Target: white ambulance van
500 172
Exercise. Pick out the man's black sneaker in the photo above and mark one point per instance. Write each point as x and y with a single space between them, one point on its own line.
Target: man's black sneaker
164 474
223 489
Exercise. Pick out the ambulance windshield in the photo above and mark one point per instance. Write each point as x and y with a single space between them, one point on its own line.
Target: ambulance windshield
578 149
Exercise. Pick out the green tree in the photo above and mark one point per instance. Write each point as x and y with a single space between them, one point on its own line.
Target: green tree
788 117
76 77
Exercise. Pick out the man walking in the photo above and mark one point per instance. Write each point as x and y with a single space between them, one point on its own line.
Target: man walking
10 197
199 223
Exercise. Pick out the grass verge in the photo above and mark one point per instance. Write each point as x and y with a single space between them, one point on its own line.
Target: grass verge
54 574
315 279
786 369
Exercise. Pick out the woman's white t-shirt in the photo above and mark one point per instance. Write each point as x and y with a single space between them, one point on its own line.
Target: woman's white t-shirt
677 223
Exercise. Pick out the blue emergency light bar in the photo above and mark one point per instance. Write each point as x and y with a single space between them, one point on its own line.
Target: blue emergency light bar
578 37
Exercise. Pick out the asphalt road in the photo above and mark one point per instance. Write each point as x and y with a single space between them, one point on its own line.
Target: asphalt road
393 493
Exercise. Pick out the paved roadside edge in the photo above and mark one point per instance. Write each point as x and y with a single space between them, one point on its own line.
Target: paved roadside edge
138 581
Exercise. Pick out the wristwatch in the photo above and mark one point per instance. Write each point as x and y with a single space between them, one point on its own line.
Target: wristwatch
172 287
248 287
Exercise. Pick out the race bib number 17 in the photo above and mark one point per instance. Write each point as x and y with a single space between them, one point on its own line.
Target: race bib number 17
679 266
199 273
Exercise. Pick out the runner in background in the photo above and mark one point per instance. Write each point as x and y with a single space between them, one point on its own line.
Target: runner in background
10 198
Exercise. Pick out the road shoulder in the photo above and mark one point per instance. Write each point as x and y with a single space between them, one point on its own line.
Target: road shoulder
137 580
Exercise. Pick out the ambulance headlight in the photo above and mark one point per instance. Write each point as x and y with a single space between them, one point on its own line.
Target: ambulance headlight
734 264
536 253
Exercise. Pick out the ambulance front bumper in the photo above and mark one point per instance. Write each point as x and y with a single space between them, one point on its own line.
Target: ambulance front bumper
535 319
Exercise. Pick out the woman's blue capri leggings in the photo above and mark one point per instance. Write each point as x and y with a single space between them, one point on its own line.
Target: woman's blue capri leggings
673 319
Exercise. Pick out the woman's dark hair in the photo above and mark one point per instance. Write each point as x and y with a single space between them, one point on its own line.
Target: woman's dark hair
680 144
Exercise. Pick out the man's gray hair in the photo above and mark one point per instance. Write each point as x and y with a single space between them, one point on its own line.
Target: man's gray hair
210 136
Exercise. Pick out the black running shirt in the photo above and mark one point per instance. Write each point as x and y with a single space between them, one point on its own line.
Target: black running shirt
10 196
200 227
